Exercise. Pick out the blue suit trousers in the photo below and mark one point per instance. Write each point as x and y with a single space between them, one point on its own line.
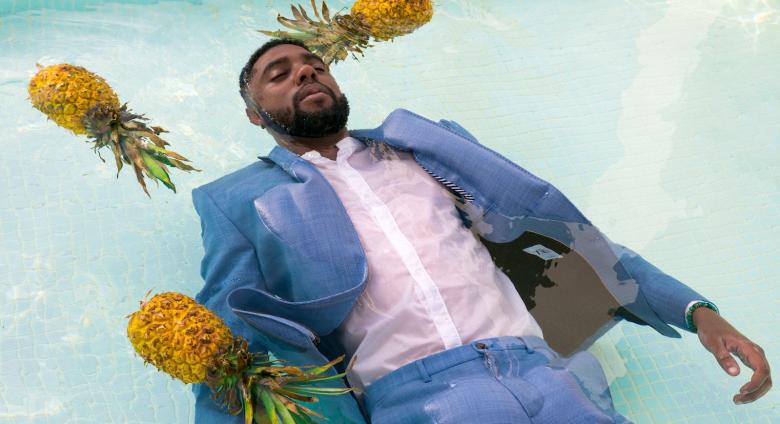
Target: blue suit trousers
498 380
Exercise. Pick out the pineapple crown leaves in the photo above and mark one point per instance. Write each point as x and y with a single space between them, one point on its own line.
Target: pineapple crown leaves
142 302
279 394
134 143
229 375
331 38
256 383
300 15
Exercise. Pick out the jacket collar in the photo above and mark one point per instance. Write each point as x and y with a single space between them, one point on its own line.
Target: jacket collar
286 159
282 157
402 128
396 130
399 130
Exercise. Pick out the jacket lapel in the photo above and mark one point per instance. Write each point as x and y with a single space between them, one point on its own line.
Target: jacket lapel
505 189
324 265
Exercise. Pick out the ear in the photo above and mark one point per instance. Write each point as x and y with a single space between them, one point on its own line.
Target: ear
255 117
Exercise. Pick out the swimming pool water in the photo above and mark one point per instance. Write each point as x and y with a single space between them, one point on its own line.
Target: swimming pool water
659 119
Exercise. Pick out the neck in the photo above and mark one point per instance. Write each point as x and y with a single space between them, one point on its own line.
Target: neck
325 146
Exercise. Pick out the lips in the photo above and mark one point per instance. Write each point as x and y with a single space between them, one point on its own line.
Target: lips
310 89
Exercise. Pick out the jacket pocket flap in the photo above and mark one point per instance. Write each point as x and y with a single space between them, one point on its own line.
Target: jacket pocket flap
279 328
320 316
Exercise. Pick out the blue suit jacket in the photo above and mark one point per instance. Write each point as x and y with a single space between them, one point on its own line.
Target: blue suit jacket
283 264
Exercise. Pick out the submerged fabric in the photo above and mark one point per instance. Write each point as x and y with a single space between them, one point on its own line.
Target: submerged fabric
495 381
431 284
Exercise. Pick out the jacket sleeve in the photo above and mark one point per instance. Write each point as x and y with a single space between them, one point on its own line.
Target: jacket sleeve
668 297
229 262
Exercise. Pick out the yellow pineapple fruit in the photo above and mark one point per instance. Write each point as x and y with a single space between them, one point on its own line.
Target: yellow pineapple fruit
82 102
333 38
178 335
189 342
66 93
387 19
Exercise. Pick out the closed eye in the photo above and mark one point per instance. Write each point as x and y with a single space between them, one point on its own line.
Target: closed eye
278 76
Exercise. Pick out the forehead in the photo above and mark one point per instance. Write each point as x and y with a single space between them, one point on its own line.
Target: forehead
282 51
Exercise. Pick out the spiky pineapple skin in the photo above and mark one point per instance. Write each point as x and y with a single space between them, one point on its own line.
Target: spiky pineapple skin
65 93
178 336
388 19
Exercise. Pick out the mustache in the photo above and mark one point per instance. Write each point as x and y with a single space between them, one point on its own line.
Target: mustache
298 95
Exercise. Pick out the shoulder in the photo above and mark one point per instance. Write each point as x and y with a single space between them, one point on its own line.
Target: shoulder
406 126
238 176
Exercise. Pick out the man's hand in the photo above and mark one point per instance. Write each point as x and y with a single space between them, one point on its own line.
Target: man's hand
721 339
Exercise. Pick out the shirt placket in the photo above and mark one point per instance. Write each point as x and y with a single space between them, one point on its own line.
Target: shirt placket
425 289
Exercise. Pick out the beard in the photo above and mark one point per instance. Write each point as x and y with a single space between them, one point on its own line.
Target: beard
316 124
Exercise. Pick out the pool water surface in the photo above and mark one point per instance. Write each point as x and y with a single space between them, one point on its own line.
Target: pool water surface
660 120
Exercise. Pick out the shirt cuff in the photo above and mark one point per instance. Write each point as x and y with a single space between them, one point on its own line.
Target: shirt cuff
696 304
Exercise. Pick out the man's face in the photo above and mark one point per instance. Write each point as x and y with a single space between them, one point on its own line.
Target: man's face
296 88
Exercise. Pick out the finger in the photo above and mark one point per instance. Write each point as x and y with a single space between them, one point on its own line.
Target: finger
750 397
726 361
756 383
753 356
748 352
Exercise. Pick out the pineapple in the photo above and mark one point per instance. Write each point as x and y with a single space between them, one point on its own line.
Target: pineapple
82 102
187 341
387 19
334 38
178 336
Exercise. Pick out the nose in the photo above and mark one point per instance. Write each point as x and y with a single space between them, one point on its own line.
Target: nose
306 72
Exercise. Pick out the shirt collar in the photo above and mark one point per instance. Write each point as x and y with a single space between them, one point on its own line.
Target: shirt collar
346 147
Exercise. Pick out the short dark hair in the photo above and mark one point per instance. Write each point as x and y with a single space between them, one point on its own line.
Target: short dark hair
247 74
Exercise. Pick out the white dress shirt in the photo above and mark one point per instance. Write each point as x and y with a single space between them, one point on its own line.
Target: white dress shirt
432 284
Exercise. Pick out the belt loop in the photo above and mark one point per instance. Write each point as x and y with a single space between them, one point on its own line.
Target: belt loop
423 371
529 345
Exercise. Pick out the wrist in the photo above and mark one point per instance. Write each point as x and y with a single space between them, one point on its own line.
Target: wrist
699 311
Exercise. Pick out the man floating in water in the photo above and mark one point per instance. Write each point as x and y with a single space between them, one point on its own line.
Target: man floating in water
374 244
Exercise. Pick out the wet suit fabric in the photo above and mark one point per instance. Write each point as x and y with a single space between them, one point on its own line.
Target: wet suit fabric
283 265
499 380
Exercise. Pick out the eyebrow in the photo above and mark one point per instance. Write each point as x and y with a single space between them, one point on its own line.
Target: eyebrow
307 57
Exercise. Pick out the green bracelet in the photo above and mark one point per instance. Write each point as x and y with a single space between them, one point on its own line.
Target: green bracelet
694 306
